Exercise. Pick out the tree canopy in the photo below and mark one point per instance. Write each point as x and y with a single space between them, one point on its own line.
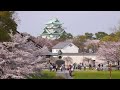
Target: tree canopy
65 36
7 24
100 35
79 41
89 35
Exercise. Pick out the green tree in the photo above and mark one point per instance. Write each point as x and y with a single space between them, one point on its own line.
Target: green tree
113 37
100 35
7 24
110 38
65 36
117 34
89 35
4 36
79 41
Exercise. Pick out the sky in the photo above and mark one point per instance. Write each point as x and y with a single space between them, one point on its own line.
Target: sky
75 22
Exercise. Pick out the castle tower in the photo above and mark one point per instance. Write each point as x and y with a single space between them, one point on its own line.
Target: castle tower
53 29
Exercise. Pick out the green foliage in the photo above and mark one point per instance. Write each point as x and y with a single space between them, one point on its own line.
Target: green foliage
92 46
100 35
7 23
89 35
65 36
82 38
106 38
113 37
45 75
4 36
79 41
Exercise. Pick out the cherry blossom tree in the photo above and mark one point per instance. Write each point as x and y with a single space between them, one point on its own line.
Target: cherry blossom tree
20 58
109 51
43 42
92 45
68 60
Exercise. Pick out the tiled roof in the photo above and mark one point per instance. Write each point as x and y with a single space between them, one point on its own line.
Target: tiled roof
54 20
61 45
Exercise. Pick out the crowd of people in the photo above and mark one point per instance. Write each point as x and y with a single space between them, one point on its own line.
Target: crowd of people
81 66
72 67
55 67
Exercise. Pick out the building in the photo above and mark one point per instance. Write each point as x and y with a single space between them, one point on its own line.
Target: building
65 47
53 29
87 58
70 54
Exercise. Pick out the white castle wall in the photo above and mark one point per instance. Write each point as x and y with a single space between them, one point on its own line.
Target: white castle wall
79 58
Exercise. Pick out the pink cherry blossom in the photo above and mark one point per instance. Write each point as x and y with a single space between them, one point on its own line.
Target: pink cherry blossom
20 57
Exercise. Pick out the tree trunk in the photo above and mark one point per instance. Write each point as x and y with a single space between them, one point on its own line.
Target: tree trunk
110 71
118 64
108 65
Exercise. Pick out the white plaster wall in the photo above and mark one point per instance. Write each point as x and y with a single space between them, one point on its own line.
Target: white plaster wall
69 49
79 59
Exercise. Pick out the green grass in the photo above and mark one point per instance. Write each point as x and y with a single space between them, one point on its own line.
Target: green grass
48 75
45 74
92 74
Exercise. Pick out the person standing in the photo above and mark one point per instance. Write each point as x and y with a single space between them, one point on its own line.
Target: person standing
90 66
98 67
56 67
60 68
51 67
63 67
70 70
80 66
74 65
102 66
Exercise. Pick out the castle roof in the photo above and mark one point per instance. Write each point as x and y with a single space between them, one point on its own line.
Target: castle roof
54 20
61 45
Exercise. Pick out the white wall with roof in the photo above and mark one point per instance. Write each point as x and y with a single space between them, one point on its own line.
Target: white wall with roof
68 49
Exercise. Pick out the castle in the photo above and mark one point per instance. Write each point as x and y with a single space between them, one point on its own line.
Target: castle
53 29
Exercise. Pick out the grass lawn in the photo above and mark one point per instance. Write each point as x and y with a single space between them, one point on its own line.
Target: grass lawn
92 74
46 74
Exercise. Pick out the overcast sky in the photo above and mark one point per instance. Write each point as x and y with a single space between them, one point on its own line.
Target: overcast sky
75 22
